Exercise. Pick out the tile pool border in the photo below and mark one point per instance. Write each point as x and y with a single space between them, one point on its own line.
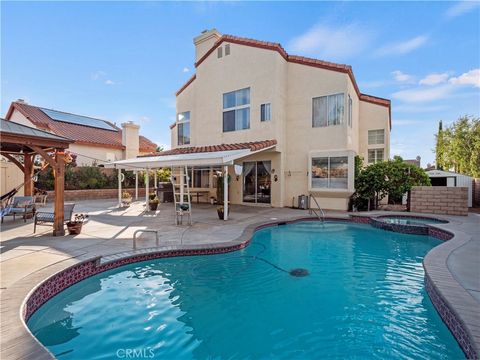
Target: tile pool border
69 276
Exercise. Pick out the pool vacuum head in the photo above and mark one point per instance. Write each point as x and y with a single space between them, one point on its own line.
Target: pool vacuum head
299 272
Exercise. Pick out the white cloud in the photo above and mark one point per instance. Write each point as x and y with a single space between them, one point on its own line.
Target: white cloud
417 95
328 42
402 77
186 69
469 78
404 47
434 79
98 74
460 8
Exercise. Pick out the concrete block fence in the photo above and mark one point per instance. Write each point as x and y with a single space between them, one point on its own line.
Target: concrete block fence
439 200
91 194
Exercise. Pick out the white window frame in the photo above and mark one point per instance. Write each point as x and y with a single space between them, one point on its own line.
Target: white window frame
328 124
350 154
236 108
269 112
376 159
183 122
376 141
350 111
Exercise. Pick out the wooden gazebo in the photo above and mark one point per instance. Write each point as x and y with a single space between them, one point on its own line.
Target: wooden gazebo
19 141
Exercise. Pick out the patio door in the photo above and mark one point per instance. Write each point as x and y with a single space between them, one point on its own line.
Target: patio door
257 182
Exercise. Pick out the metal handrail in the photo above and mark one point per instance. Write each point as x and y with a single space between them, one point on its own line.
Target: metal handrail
311 210
144 230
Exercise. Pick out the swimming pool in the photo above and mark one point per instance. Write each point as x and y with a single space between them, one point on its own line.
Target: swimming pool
363 296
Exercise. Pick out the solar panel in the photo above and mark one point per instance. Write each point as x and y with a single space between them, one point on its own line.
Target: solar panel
78 119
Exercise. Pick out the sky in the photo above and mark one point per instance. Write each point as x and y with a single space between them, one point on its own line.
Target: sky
123 61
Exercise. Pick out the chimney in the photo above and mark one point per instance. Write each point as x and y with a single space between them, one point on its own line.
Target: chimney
204 42
130 139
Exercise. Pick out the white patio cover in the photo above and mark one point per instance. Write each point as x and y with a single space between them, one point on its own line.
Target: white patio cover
214 158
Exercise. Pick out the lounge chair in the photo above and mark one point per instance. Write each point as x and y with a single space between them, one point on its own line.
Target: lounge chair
47 218
21 205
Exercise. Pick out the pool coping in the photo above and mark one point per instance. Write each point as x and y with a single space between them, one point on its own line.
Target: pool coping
454 304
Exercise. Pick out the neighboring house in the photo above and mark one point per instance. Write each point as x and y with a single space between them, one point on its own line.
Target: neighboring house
416 161
309 112
94 138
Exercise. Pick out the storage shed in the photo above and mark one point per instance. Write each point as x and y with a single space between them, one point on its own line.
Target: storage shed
451 179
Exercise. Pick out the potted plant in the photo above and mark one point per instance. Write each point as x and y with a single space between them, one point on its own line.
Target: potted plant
221 211
126 198
153 202
75 226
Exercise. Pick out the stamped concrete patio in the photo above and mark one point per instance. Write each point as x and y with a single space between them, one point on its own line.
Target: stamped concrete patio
27 259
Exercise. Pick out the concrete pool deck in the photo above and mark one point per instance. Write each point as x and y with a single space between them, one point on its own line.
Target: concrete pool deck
28 259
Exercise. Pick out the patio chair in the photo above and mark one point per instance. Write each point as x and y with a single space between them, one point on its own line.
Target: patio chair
47 218
21 205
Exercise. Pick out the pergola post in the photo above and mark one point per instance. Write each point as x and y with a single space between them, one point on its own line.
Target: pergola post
119 187
136 185
225 193
27 174
147 183
58 227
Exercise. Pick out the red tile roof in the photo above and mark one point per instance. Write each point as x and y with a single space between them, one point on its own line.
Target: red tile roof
347 69
81 134
253 146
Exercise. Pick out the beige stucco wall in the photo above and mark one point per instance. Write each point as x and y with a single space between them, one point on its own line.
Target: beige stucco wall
373 117
290 88
10 177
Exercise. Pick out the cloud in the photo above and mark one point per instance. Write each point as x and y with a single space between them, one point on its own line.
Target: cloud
402 77
328 42
418 95
402 48
186 69
434 79
469 78
460 8
98 75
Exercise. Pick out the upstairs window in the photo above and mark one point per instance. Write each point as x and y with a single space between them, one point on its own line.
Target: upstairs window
183 128
328 110
376 137
236 110
265 112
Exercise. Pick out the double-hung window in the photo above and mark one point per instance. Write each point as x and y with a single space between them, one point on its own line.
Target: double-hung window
328 110
376 137
236 110
375 155
183 128
265 112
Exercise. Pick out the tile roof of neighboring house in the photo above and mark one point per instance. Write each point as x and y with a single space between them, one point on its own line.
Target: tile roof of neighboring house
293 59
81 134
253 146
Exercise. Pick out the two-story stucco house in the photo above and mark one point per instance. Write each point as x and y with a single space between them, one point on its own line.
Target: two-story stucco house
312 111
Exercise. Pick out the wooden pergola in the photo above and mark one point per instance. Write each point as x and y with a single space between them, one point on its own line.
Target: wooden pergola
19 141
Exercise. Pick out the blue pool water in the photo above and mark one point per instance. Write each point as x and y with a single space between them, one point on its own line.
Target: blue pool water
364 297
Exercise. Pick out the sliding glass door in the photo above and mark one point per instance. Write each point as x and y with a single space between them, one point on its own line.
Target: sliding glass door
257 182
